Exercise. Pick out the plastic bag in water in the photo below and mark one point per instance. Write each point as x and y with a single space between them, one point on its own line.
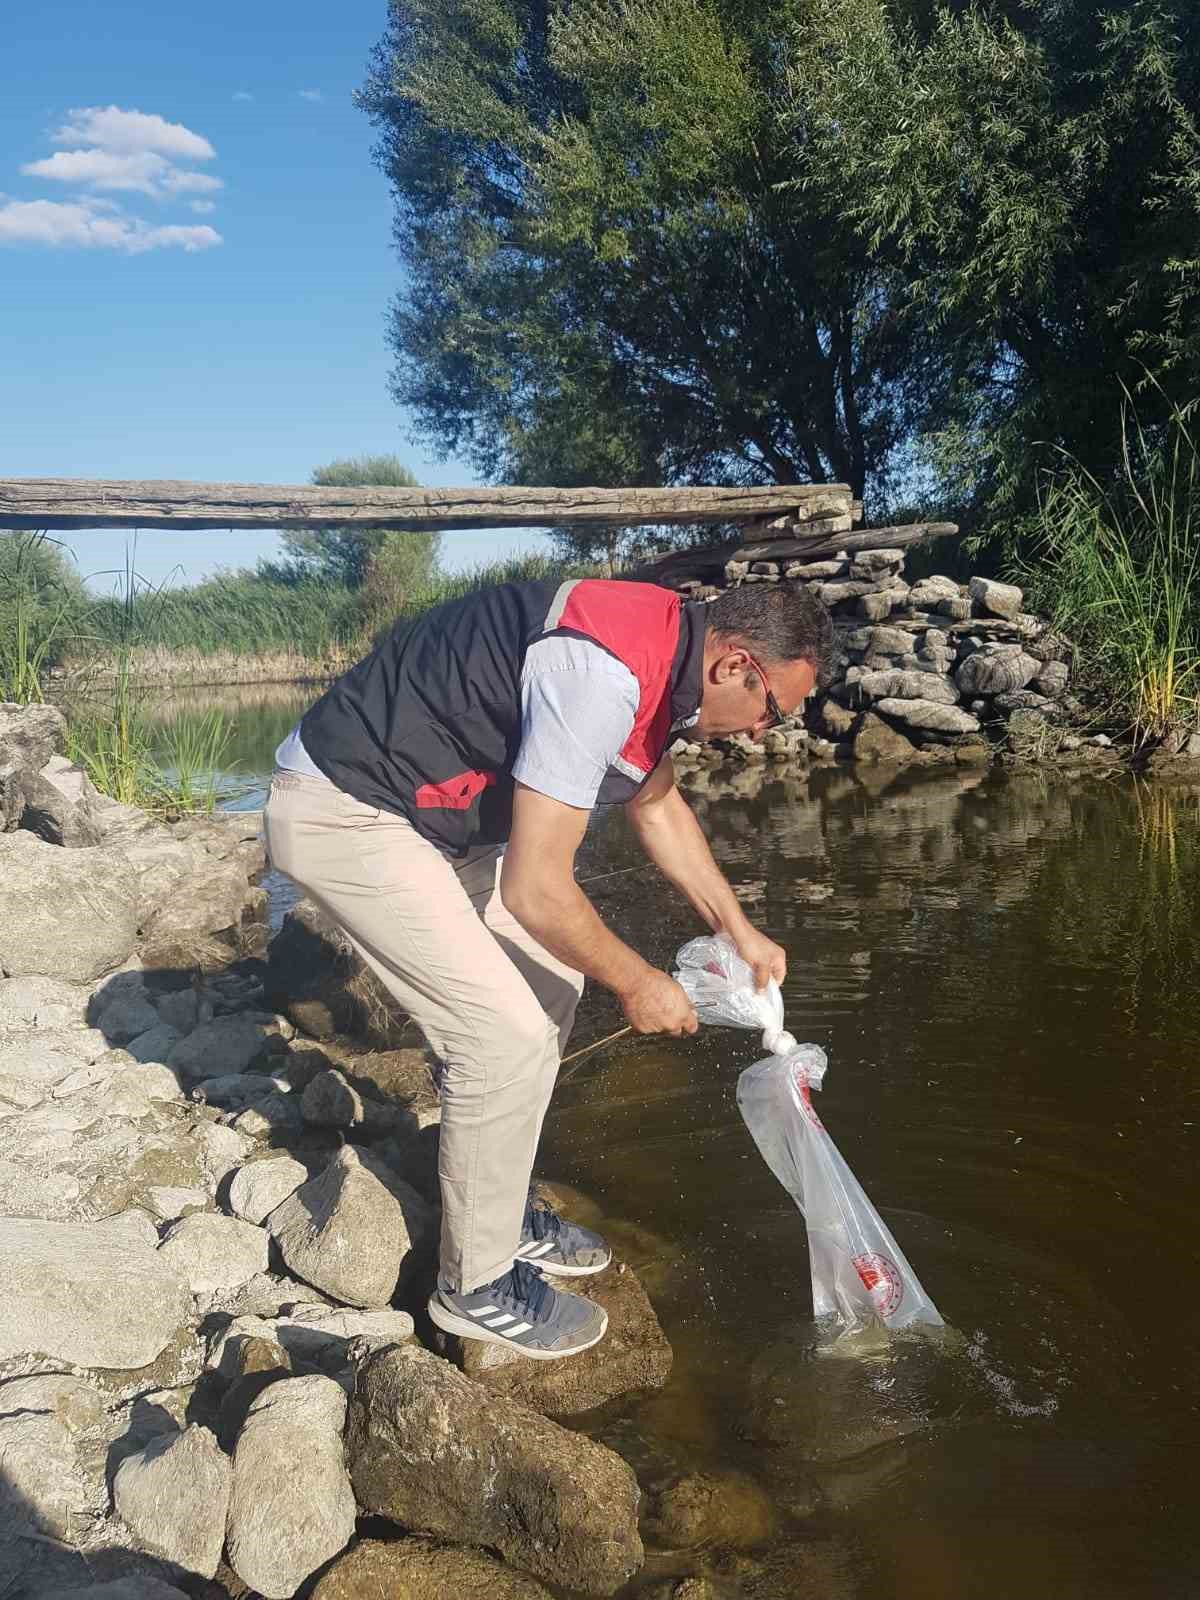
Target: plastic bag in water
860 1278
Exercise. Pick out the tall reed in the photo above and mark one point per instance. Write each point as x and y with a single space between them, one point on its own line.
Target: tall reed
1117 565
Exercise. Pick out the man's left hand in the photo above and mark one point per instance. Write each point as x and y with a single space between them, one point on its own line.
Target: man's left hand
763 956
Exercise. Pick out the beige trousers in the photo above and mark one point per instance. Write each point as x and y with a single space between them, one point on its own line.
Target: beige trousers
495 1006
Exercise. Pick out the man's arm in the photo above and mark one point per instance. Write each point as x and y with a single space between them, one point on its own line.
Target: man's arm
673 840
537 885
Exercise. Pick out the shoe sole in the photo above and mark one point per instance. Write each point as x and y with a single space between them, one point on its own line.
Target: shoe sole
450 1322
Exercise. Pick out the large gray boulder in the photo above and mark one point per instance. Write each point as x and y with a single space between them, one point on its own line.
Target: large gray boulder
314 1336
422 1569
69 1293
292 1508
260 1186
871 686
51 1460
61 918
58 805
173 1496
929 717
213 1253
996 670
31 735
354 1230
441 1455
992 599
224 1046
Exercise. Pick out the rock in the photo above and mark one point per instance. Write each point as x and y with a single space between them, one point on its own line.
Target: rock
169 1204
927 592
886 640
927 716
1026 700
633 1355
270 1293
905 686
872 563
220 1150
125 1304
314 1336
58 920
40 1002
354 1230
419 1569
31 735
133 1228
1052 680
550 1501
992 599
877 741
123 1019
155 1044
27 1059
956 607
212 1253
51 1479
725 1508
223 1046
273 1113
181 1009
817 569
260 1186
173 1496
832 720
132 1588
292 1507
234 1091
319 981
990 672
329 1101
58 805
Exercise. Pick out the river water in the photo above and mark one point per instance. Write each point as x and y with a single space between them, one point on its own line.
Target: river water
1004 973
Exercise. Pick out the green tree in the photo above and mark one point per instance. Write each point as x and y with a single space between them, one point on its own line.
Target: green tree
1031 170
345 556
605 278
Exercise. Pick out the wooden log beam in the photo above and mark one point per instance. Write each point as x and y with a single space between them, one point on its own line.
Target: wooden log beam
65 503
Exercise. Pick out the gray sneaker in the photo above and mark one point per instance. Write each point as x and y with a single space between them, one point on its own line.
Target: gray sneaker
552 1244
522 1310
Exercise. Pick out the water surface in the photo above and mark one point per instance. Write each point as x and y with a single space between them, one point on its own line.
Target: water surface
1004 973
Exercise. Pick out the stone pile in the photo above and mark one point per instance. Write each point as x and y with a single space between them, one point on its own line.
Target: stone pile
935 672
213 1238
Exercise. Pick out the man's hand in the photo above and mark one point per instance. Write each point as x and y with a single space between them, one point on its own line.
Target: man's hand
655 1003
763 956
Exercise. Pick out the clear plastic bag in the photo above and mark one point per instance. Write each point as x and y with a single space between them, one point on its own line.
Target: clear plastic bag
860 1278
721 987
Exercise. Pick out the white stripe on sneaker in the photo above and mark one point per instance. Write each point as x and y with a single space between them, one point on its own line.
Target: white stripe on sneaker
523 1249
484 1311
521 1327
541 1250
498 1322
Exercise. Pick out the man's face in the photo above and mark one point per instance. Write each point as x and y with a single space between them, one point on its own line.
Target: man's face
736 685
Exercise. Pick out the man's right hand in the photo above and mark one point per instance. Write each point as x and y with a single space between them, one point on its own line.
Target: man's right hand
657 1004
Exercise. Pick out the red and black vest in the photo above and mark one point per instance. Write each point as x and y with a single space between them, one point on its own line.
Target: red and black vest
428 724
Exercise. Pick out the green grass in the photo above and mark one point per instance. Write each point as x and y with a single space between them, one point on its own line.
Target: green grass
1117 566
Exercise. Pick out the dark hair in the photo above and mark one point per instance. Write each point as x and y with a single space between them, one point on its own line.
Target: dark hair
777 621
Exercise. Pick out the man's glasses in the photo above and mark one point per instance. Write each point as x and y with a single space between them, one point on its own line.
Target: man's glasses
774 709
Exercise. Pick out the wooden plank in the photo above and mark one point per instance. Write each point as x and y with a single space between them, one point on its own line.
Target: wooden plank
65 503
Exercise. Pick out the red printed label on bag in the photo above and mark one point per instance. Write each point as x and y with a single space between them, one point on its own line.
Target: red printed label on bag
804 1095
881 1281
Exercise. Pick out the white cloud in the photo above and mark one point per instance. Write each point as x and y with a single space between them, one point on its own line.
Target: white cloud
143 172
243 94
114 151
310 94
132 132
94 224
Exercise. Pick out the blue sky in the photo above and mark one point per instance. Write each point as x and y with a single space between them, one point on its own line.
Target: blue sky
196 259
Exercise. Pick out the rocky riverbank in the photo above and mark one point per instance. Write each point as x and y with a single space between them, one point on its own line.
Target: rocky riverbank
216 1241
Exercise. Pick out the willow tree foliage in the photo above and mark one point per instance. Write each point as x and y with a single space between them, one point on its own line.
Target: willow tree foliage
605 279
661 240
